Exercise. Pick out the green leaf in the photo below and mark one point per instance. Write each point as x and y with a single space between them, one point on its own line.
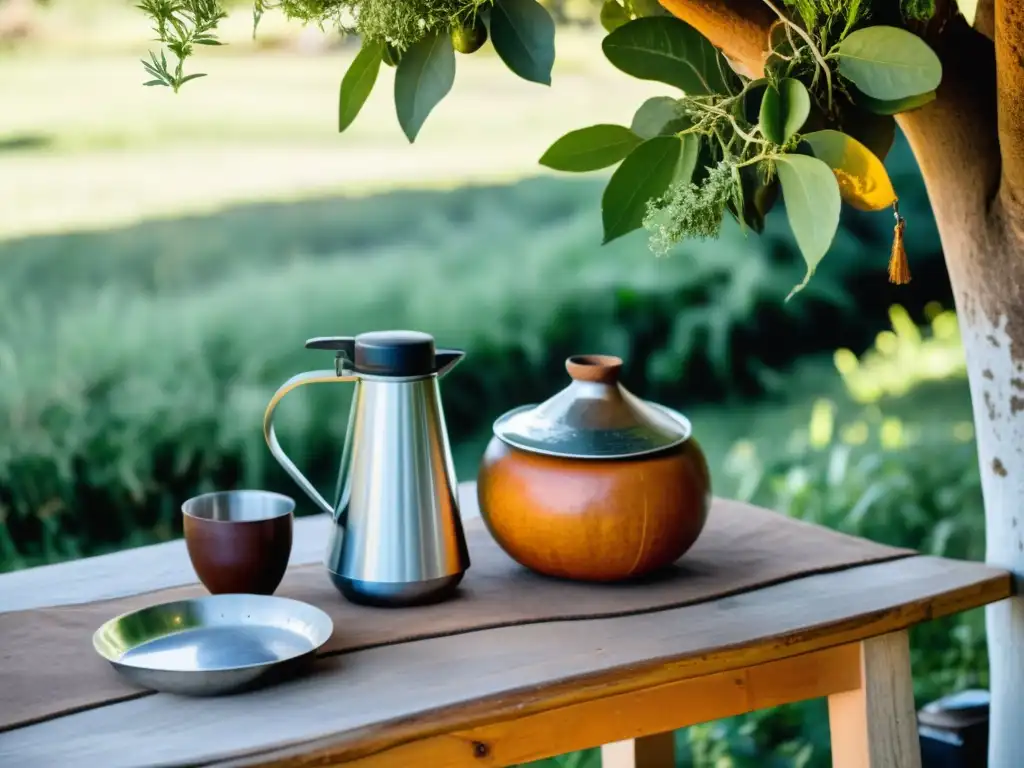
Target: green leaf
523 34
688 157
589 149
784 111
757 196
863 181
644 175
812 199
889 63
424 76
895 106
748 106
670 51
613 15
659 116
358 82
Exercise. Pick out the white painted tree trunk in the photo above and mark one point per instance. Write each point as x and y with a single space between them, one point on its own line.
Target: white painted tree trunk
997 392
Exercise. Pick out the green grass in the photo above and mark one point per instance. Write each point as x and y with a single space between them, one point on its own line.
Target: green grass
84 145
137 361
154 371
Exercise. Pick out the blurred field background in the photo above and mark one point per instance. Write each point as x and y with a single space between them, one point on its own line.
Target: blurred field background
163 258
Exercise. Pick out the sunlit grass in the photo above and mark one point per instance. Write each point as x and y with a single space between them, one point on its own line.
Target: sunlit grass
84 145
902 358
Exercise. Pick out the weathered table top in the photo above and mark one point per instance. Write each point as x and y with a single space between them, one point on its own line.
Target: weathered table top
366 700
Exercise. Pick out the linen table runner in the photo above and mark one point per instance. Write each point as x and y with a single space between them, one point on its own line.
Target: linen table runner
48 666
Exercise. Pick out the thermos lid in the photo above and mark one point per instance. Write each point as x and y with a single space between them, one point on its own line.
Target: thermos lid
386 353
595 417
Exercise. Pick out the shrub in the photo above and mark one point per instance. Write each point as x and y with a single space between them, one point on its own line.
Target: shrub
136 363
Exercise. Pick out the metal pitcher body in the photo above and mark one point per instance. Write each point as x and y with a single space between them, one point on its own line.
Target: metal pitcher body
397 536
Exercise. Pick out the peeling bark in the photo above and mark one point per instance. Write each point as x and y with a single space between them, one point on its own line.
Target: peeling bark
990 345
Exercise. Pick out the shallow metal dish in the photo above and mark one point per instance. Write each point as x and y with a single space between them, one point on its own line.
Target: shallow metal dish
213 645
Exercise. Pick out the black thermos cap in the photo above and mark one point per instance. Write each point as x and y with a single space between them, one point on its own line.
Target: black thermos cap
385 353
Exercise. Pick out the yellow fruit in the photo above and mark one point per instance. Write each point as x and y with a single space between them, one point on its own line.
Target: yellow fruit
469 39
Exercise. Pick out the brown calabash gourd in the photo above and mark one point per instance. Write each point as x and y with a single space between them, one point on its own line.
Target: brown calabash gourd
594 484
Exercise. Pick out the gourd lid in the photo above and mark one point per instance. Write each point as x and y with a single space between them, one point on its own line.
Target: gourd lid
595 417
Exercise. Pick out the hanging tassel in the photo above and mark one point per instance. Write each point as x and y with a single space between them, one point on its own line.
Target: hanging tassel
899 269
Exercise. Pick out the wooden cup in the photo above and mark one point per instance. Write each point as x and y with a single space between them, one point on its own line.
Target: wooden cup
239 541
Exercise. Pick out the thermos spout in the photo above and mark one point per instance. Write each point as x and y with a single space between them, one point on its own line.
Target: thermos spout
446 359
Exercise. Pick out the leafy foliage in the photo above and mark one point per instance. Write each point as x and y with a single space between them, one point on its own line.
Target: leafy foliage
918 10
426 73
784 110
646 173
590 149
180 25
358 82
812 204
176 333
830 88
889 63
830 73
690 210
667 50
523 34
416 36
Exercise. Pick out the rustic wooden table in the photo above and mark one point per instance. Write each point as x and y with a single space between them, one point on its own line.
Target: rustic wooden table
499 697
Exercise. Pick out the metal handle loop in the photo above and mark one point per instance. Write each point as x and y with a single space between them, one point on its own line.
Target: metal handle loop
310 377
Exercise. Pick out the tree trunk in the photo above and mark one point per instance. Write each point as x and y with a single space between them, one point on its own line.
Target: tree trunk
956 141
994 346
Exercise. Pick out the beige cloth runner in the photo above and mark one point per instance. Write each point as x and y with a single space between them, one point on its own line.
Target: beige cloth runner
48 666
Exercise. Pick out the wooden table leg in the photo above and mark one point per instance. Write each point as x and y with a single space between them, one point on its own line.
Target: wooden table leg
657 751
876 725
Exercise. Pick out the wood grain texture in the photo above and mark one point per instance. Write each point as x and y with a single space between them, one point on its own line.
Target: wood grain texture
875 725
642 717
589 520
371 701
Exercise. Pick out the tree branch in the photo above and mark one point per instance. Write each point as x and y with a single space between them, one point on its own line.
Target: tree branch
954 138
738 27
985 18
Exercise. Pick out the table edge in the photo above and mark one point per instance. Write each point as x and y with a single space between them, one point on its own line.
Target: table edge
517 703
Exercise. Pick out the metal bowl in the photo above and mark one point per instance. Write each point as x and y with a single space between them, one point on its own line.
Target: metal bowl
213 645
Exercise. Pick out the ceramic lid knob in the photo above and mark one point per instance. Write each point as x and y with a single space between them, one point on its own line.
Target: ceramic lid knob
603 369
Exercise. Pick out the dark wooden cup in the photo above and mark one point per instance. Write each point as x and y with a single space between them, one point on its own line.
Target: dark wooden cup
239 541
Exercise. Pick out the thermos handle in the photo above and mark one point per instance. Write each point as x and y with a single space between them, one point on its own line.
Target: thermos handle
310 377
